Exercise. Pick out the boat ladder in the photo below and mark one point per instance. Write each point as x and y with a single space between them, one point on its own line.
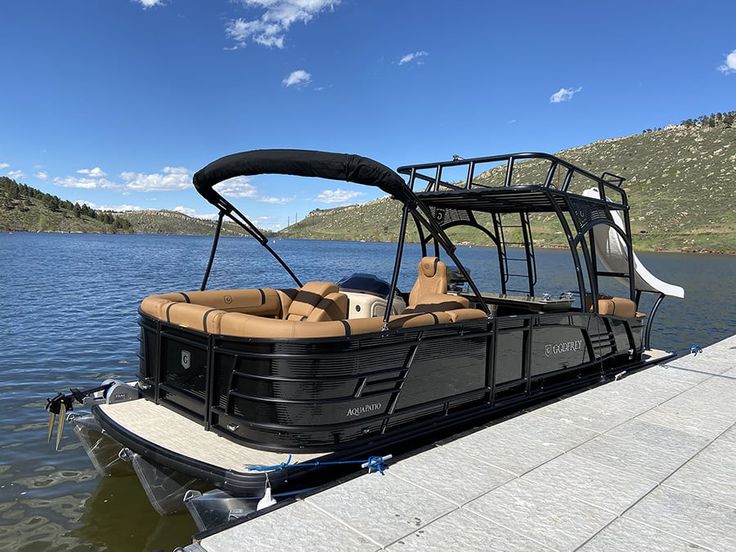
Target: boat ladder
518 270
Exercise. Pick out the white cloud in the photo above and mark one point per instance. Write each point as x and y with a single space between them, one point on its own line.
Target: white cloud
170 178
15 175
117 208
413 56
564 94
729 65
298 78
337 196
274 200
97 172
188 211
85 183
150 3
41 175
278 16
4 165
185 210
239 186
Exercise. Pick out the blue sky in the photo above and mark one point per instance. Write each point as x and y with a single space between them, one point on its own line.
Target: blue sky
118 102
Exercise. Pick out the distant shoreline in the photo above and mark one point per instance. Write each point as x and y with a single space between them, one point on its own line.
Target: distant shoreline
278 237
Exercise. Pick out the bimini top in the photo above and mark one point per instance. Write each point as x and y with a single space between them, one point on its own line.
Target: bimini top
320 164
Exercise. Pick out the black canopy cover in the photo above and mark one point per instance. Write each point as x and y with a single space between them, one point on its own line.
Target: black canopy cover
321 164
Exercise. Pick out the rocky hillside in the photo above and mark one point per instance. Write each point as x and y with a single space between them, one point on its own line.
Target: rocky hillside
681 182
23 208
172 222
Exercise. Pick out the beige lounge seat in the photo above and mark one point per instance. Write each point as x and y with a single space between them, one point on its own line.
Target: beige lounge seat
317 309
429 293
617 306
261 302
318 302
621 307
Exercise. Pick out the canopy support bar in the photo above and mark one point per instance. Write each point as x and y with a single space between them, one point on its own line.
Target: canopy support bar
281 261
216 239
397 266
226 208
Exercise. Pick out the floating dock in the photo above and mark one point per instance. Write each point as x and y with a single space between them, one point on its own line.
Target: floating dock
645 462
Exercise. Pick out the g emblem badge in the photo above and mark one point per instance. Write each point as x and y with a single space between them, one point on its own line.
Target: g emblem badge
186 359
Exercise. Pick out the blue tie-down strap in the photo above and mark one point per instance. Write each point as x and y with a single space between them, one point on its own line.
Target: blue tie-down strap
373 463
377 463
265 468
694 350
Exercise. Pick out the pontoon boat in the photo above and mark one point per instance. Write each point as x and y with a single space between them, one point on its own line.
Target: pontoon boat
240 387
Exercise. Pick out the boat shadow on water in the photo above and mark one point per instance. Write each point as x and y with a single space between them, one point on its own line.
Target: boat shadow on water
119 498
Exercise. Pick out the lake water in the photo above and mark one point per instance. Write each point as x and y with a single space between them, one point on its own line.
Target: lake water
68 311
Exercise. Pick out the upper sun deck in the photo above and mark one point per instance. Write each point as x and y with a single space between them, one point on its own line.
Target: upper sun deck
514 182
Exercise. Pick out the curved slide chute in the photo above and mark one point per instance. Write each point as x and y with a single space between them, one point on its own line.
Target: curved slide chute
611 250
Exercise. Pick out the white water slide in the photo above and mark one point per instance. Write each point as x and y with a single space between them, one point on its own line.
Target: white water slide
611 250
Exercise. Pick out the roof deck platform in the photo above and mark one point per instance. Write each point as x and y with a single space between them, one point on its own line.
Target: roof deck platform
647 462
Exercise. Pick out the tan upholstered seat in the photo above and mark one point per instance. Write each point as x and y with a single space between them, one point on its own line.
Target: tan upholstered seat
431 280
460 315
429 293
318 302
438 302
245 325
315 310
617 306
622 307
260 302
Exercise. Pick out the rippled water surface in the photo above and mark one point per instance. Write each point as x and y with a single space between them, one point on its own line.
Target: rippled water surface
68 317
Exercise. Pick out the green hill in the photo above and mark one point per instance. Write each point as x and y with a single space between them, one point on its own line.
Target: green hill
681 182
172 222
23 208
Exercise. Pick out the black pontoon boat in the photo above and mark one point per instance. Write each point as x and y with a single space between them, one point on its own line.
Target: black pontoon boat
233 381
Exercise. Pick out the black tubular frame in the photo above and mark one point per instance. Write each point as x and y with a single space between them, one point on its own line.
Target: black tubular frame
650 320
546 197
215 241
397 266
228 209
571 208
327 165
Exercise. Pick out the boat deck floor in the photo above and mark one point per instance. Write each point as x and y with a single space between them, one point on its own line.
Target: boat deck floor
180 435
647 462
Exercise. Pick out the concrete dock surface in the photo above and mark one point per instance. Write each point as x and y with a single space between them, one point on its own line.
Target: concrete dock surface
647 462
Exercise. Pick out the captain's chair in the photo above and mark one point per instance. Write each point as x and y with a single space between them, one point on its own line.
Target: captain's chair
318 302
429 293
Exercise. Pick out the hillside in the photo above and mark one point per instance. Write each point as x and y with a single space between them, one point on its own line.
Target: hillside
681 182
172 222
23 208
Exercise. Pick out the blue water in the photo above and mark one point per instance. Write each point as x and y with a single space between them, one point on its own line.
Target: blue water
68 311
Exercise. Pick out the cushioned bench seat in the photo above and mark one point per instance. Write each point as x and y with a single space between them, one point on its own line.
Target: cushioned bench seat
272 313
621 307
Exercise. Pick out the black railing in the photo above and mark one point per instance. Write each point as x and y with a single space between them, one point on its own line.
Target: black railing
606 182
